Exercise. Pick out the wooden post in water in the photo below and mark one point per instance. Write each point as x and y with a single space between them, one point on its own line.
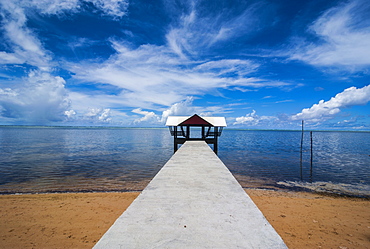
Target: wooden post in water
175 139
215 144
300 161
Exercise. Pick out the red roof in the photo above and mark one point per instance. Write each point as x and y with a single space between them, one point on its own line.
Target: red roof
195 120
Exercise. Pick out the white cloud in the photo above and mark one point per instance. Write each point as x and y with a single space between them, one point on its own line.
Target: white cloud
252 119
150 76
41 98
52 7
25 102
10 58
345 34
253 82
198 30
284 101
70 113
114 8
248 118
105 115
230 66
148 117
98 115
328 109
25 45
182 108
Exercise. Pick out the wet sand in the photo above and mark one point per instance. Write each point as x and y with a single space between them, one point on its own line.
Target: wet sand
78 220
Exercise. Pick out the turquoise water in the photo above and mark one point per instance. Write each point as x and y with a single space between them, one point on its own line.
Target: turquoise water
62 159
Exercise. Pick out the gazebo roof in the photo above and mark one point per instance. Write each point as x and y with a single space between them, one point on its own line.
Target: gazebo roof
196 120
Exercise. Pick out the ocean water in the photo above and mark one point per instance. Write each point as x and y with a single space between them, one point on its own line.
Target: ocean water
67 159
271 159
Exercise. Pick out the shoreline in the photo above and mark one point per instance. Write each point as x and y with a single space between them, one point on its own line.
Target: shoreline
277 190
78 220
356 190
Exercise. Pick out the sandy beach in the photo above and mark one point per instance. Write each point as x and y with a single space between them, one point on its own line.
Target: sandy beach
306 220
78 220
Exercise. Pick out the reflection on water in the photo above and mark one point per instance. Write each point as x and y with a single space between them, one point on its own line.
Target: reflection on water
65 159
105 159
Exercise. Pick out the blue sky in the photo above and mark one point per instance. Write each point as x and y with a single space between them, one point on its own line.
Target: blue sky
260 64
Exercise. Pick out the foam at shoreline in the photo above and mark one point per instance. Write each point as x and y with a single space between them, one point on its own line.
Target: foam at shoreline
342 189
354 190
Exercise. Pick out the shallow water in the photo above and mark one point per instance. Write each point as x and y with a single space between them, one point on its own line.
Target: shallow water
80 159
56 159
341 159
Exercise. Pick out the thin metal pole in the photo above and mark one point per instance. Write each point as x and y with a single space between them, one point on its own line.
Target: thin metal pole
300 161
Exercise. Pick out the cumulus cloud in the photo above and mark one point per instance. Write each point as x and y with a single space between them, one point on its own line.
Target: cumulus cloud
252 119
344 37
93 116
325 110
41 98
154 81
98 115
150 77
70 114
148 117
182 108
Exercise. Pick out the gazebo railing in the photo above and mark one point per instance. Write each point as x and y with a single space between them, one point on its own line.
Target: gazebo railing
178 132
211 133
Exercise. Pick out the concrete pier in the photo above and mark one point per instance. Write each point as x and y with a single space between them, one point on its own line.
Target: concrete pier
193 202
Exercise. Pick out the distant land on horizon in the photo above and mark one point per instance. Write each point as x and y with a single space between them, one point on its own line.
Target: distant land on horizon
164 127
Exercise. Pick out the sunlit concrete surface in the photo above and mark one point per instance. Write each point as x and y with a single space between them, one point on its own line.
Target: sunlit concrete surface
193 202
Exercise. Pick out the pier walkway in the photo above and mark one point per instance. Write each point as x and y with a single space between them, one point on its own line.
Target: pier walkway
193 202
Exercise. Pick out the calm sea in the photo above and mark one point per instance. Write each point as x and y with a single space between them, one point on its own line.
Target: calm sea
65 159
